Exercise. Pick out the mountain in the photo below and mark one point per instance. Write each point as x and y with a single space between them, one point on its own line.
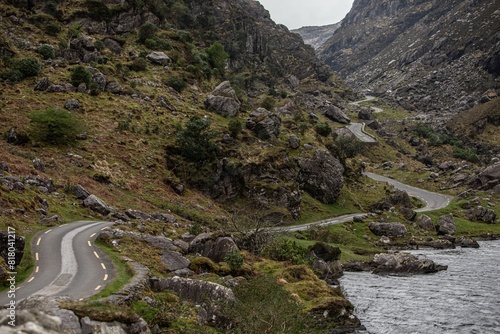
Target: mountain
426 55
316 36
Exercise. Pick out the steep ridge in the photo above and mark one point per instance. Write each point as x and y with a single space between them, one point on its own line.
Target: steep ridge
426 55
316 36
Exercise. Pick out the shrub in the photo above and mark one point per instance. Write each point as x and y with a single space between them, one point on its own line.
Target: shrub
465 153
99 45
235 126
268 103
323 129
54 126
286 250
46 51
12 75
52 28
157 43
195 140
79 75
217 56
182 13
146 31
176 83
139 64
29 67
234 259
349 147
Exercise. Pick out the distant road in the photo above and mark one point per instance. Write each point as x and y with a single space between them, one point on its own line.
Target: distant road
66 263
358 128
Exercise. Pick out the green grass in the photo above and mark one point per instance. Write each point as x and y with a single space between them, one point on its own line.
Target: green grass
123 273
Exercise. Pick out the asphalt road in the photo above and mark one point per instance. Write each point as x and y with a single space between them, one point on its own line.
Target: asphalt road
66 263
357 130
433 201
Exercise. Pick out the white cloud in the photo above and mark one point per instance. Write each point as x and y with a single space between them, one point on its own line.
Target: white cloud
298 13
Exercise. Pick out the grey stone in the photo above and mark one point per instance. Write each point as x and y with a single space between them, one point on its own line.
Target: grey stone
468 243
294 142
50 221
72 104
440 244
39 165
80 192
365 114
223 100
97 327
174 260
446 225
336 114
404 263
43 84
113 45
159 58
113 87
388 229
19 242
264 124
136 214
483 214
96 204
164 217
425 222
214 248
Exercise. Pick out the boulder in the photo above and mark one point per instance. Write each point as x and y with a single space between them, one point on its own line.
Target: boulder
404 264
409 214
113 87
97 327
336 114
72 104
215 248
96 204
490 177
174 260
388 229
365 114
446 225
136 214
113 45
5 244
439 244
398 198
80 192
29 321
38 165
326 252
16 138
60 88
50 221
264 124
321 176
43 84
98 78
425 222
294 142
468 243
223 100
479 213
164 217
194 290
159 58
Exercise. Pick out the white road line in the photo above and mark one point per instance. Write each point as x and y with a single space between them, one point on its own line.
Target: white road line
36 256
96 255
105 277
97 288
38 242
103 266
92 235
37 269
31 279
47 231
88 242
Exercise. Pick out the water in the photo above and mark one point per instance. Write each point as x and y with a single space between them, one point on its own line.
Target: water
463 299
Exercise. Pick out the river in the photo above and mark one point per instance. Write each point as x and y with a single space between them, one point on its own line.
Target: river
463 299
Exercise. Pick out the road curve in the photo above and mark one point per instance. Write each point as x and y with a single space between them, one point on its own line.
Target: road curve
433 201
66 263
357 130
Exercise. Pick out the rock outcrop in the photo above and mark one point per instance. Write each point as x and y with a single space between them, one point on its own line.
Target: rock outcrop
404 264
265 124
388 229
480 213
446 225
223 100
321 176
316 36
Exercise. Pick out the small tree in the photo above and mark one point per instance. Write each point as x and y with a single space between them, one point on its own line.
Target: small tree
235 126
46 51
323 129
195 141
147 31
55 126
29 67
79 75
217 56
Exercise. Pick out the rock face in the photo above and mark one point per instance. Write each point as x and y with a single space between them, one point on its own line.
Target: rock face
482 214
223 100
321 176
215 248
316 36
96 204
264 124
446 225
419 53
159 58
337 115
404 264
388 229
487 179
425 222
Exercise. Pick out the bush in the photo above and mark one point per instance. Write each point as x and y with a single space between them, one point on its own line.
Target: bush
54 126
99 45
323 129
176 83
234 259
139 64
29 67
268 103
11 75
465 153
235 126
52 28
146 31
157 43
217 56
286 250
46 51
79 75
195 141
349 147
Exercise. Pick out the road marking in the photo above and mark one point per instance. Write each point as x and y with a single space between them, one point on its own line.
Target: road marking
88 241
38 242
80 299
47 231
96 255
102 229
103 266
98 287
36 256
92 235
63 225
32 278
105 277
19 287
36 269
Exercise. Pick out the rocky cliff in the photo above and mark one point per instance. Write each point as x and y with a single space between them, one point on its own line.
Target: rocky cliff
427 55
316 36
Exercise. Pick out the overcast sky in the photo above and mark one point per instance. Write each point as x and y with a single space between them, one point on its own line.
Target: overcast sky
299 13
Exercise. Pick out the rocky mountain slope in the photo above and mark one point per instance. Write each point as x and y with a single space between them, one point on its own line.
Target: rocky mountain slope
316 36
426 55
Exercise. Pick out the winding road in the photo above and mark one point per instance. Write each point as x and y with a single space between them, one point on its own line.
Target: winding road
358 129
66 263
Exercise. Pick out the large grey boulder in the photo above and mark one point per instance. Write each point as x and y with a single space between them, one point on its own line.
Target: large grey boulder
488 179
215 248
321 176
29 321
97 327
96 204
174 260
337 115
446 225
365 114
223 100
159 58
264 124
80 192
388 229
425 222
404 264
482 214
